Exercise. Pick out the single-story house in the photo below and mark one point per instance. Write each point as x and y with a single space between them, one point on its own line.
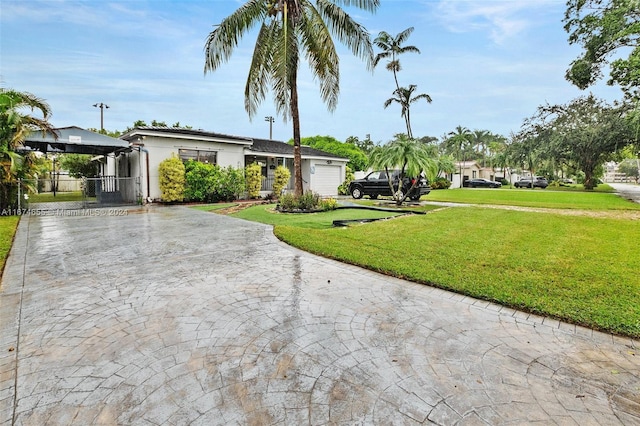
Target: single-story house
471 169
149 146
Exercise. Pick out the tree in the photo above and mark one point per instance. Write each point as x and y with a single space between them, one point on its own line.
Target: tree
460 140
479 141
411 157
392 48
586 131
365 145
291 31
404 96
357 159
15 125
630 168
78 165
603 28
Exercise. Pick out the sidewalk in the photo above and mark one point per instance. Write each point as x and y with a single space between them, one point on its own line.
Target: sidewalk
176 316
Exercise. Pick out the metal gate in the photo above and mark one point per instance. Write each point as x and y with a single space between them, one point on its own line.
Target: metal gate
72 194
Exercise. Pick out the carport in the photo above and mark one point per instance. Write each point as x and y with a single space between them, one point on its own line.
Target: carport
113 186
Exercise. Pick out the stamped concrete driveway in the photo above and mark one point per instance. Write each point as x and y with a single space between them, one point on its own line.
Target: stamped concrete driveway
176 316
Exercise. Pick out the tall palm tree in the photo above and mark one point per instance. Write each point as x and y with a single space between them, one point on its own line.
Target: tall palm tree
479 141
291 31
460 138
408 155
15 125
404 96
392 48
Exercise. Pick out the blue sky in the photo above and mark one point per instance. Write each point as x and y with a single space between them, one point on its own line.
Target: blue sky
486 64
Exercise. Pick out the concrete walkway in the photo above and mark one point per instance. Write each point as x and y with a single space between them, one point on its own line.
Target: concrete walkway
175 316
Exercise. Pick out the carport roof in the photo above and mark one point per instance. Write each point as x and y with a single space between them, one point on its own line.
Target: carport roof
74 140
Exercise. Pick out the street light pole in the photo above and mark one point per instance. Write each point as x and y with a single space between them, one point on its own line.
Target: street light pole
270 119
102 107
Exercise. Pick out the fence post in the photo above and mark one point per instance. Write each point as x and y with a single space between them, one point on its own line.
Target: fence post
84 192
19 186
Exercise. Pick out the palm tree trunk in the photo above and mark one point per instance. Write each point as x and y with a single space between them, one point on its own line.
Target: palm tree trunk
295 118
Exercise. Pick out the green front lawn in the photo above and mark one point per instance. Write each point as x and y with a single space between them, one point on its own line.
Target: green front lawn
324 220
577 268
8 225
545 198
48 197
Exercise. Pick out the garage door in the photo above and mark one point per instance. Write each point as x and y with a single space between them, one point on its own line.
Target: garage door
326 179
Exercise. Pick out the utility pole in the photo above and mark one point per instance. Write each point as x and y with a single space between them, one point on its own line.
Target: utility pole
270 119
102 107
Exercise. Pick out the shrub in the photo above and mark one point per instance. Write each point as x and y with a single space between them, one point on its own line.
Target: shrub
230 184
329 204
253 179
281 179
343 189
309 201
287 202
440 183
200 181
172 180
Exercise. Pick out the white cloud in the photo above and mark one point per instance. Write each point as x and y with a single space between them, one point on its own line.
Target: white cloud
500 19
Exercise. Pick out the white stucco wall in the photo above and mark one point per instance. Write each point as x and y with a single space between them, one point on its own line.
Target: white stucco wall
161 148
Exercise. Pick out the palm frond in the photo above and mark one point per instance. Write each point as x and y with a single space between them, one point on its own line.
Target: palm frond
349 32
321 55
222 41
259 78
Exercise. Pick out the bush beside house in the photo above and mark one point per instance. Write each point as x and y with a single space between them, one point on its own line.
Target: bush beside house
281 179
253 178
172 179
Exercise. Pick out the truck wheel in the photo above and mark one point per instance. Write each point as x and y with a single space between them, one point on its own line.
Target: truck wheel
356 192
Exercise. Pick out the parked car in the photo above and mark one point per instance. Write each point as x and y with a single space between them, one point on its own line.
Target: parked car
482 183
538 182
376 184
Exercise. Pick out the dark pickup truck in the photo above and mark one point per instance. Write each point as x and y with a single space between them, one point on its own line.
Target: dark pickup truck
376 184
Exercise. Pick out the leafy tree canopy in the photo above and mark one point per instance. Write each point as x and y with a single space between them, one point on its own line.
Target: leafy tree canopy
587 132
78 165
357 158
602 28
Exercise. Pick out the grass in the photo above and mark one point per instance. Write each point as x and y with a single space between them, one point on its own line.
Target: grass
544 198
213 207
47 197
8 225
580 269
324 220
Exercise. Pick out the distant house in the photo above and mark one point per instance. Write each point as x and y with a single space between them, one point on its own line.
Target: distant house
472 170
149 146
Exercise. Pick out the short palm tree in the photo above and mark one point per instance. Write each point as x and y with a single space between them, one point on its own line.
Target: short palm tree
15 125
392 48
291 31
409 156
404 96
